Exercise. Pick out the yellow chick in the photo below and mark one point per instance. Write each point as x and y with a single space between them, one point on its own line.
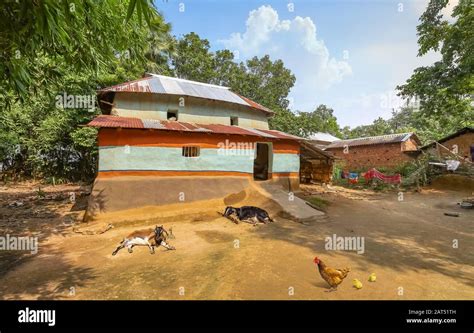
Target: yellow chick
357 284
372 277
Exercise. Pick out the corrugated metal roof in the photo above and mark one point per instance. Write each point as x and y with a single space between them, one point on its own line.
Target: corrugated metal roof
113 121
282 135
372 140
309 149
255 104
128 122
152 123
320 136
160 84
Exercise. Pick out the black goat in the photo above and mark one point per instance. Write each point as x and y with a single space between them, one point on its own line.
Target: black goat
249 214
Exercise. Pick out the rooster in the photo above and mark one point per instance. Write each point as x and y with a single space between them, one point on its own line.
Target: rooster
333 277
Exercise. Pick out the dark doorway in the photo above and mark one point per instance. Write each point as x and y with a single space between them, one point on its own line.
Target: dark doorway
261 162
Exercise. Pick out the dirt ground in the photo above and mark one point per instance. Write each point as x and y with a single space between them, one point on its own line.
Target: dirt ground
408 244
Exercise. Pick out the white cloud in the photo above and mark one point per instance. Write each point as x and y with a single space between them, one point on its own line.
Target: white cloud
296 43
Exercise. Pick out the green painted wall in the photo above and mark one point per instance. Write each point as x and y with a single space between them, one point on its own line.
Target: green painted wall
190 109
171 159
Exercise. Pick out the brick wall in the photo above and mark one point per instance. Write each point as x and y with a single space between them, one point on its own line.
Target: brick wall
372 156
463 142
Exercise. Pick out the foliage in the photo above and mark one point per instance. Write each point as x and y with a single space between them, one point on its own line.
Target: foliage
447 86
265 81
322 119
262 80
193 60
42 139
428 127
85 35
378 127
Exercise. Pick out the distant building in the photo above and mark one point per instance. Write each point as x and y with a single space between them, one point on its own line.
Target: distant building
322 140
164 140
376 151
461 143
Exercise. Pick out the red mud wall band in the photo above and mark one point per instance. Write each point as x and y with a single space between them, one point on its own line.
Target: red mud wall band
145 137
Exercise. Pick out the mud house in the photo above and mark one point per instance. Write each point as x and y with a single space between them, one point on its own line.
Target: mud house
164 140
316 165
460 143
377 151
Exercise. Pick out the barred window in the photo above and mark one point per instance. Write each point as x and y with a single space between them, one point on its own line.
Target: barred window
191 151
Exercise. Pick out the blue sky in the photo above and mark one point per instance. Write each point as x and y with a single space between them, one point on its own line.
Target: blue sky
347 54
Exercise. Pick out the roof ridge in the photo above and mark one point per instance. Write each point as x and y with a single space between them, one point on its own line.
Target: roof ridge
190 81
378 136
168 85
113 121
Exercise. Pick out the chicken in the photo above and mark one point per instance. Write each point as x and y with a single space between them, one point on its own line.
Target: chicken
332 276
357 284
372 277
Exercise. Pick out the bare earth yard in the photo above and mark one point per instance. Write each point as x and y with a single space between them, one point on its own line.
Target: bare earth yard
408 244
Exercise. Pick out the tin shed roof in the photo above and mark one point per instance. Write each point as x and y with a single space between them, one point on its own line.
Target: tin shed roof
373 140
320 136
128 122
160 84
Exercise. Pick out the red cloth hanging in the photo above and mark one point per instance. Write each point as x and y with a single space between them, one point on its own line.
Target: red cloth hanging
374 173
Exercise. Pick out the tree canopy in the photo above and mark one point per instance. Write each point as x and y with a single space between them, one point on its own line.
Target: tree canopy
51 48
86 35
446 88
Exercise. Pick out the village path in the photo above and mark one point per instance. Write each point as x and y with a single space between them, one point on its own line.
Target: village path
295 208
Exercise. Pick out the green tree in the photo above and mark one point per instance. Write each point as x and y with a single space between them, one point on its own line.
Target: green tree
286 121
447 86
86 35
428 127
39 138
226 70
265 81
322 119
379 126
193 60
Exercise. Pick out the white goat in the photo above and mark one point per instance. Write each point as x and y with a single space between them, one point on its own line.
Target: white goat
148 237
